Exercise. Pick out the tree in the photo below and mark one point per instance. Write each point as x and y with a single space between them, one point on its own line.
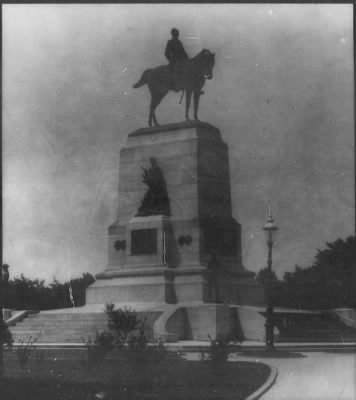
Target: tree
328 283
262 276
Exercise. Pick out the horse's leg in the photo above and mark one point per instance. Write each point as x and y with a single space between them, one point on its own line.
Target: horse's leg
151 113
155 119
151 116
155 100
196 103
188 95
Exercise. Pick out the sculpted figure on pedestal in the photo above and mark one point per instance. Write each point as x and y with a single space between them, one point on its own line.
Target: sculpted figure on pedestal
155 201
182 74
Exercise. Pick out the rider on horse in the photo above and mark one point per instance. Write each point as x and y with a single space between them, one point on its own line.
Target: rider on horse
175 52
190 79
176 55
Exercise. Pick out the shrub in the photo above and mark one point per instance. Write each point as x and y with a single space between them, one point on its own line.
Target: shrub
219 349
5 334
122 322
98 348
139 342
142 362
142 365
24 351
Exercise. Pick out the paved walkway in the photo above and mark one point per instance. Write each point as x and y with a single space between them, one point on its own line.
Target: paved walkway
315 376
308 376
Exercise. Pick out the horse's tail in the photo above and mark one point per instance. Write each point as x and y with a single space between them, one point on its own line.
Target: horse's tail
143 79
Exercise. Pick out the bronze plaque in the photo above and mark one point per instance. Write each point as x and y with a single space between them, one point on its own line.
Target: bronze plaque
144 241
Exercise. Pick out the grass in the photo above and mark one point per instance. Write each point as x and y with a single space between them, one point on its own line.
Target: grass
65 374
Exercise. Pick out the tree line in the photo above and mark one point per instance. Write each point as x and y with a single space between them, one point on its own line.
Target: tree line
328 283
33 294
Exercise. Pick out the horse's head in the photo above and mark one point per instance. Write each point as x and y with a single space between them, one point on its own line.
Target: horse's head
207 62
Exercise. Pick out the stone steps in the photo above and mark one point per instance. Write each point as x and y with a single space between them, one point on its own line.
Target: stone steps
317 327
33 325
44 331
67 327
67 317
59 327
321 339
320 334
53 339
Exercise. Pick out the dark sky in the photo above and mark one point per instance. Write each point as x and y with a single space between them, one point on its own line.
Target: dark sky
282 96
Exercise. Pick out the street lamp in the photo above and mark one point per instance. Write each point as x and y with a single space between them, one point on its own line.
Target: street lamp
4 281
270 230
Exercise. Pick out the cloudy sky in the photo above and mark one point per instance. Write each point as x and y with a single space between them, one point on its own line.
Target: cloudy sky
282 96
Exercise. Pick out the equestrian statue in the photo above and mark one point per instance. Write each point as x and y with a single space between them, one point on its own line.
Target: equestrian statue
181 74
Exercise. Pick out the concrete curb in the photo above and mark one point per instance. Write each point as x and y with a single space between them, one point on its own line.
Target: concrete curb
263 389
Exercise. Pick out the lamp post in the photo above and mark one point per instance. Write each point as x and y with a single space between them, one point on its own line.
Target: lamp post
4 281
270 230
1 327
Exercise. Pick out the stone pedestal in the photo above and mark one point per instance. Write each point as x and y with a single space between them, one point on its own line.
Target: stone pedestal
209 321
192 255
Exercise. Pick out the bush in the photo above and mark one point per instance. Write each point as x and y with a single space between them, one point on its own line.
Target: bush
24 351
123 322
142 363
98 348
5 334
218 351
142 366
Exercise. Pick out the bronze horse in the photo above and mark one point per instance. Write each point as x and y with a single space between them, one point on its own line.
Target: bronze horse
190 76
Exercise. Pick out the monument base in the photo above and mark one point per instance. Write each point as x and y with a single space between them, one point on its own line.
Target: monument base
185 257
152 285
173 286
209 321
